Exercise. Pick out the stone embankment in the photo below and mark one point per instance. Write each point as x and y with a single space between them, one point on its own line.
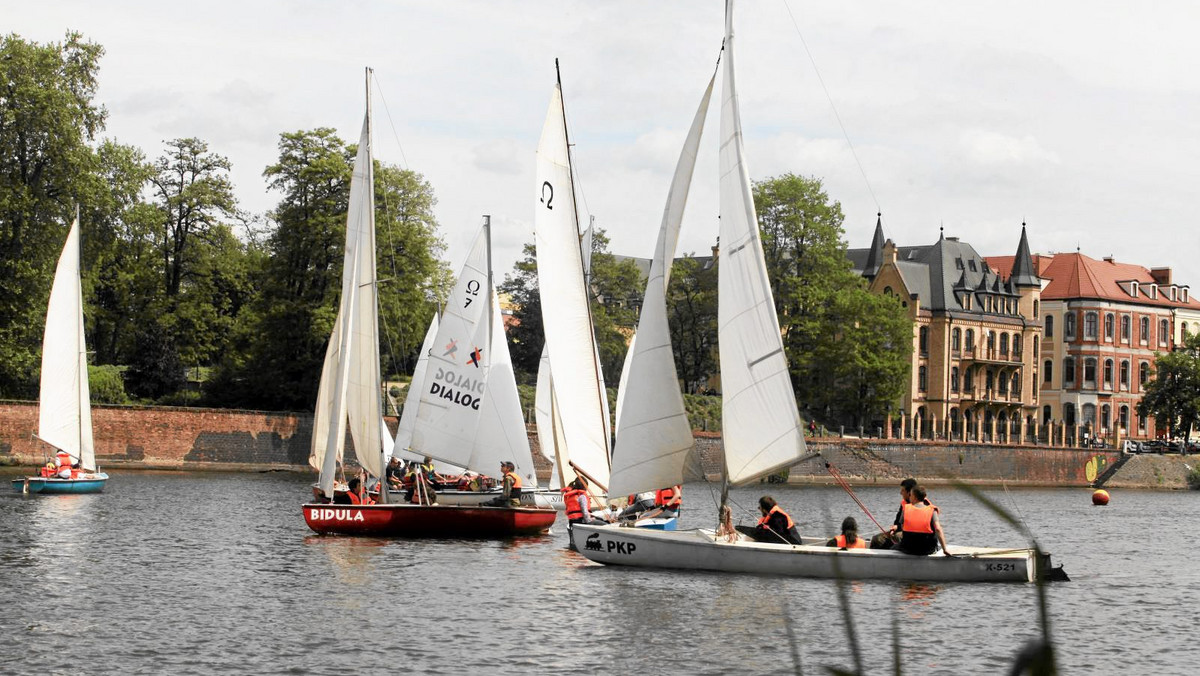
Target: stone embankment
146 437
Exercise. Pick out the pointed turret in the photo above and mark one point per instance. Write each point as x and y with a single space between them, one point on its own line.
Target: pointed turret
875 257
1022 270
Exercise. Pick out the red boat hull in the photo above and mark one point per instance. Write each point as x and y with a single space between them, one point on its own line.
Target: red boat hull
427 520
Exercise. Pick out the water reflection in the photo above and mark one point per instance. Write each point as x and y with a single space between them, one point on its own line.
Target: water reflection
916 598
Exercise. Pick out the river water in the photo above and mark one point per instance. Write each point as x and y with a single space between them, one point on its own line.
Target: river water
216 573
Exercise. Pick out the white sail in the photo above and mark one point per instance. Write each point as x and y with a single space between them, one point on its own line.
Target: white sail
549 423
64 402
408 416
623 381
654 438
350 379
566 315
761 425
469 412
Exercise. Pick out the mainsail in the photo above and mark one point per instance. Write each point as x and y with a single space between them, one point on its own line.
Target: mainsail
654 438
761 426
566 315
64 402
469 413
350 387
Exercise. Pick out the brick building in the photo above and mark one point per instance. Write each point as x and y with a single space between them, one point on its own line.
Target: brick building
1104 322
976 338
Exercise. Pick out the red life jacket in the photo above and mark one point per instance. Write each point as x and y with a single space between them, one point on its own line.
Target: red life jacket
917 519
665 497
859 543
767 517
64 459
354 499
574 512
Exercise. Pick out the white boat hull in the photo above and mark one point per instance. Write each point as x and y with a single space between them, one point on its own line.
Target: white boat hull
543 498
701 550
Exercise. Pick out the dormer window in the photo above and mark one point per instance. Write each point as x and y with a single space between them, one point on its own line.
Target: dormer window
1174 291
1152 291
958 263
1133 289
972 264
1183 294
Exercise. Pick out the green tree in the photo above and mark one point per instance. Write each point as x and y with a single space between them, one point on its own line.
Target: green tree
525 334
692 316
825 310
47 119
1173 394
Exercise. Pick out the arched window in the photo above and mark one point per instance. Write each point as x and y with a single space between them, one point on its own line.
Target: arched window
1089 371
924 334
1068 370
887 290
1003 343
953 378
991 380
1090 328
956 340
1069 414
1069 326
1124 374
1108 374
1035 309
1143 374
1164 330
970 339
991 340
1046 414
1015 388
1109 322
1036 353
1105 417
1141 423
1123 418
1049 326
1003 384
1183 330
969 379
922 379
1048 371
1144 338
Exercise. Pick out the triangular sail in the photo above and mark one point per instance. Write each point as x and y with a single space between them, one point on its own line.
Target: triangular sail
412 399
469 412
350 390
64 401
761 425
566 316
654 438
549 423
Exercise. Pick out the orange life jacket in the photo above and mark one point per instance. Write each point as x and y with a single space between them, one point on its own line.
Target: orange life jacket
357 499
574 511
64 459
516 478
665 497
767 517
859 543
917 519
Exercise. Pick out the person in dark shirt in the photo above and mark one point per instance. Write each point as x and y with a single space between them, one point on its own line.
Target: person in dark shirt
775 526
920 530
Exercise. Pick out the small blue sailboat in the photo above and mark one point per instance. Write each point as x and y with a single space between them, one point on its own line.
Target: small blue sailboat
64 401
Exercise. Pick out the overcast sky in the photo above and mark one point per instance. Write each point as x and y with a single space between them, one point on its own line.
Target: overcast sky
1081 118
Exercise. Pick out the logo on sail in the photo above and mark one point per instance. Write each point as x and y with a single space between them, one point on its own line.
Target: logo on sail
451 348
458 388
476 355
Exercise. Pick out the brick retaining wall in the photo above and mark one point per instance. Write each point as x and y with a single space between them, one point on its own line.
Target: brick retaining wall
198 439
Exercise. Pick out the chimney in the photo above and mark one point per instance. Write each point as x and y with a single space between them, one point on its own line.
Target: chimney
1109 259
1161 275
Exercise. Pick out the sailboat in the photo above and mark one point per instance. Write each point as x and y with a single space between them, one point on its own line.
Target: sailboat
64 401
581 432
762 428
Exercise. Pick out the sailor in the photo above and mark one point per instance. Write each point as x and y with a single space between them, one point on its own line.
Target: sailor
578 503
511 496
669 500
64 464
49 470
394 473
355 495
921 531
775 525
848 538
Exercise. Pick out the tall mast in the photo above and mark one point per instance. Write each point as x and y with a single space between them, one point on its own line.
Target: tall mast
487 233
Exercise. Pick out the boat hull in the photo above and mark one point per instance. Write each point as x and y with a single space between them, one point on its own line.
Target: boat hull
407 520
54 486
702 550
543 498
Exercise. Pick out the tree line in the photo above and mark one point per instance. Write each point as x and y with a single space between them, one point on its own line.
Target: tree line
179 279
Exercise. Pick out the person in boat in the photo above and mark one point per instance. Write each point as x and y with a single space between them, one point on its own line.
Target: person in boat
511 495
354 495
888 540
921 530
638 504
578 503
775 526
395 474
848 538
669 500
64 465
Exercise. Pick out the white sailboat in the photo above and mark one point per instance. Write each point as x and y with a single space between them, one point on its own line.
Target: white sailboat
448 419
762 430
64 400
579 400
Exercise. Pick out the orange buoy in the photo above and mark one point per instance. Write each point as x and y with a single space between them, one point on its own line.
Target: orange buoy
1100 497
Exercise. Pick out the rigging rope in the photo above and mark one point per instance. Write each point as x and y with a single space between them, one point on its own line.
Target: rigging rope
846 487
